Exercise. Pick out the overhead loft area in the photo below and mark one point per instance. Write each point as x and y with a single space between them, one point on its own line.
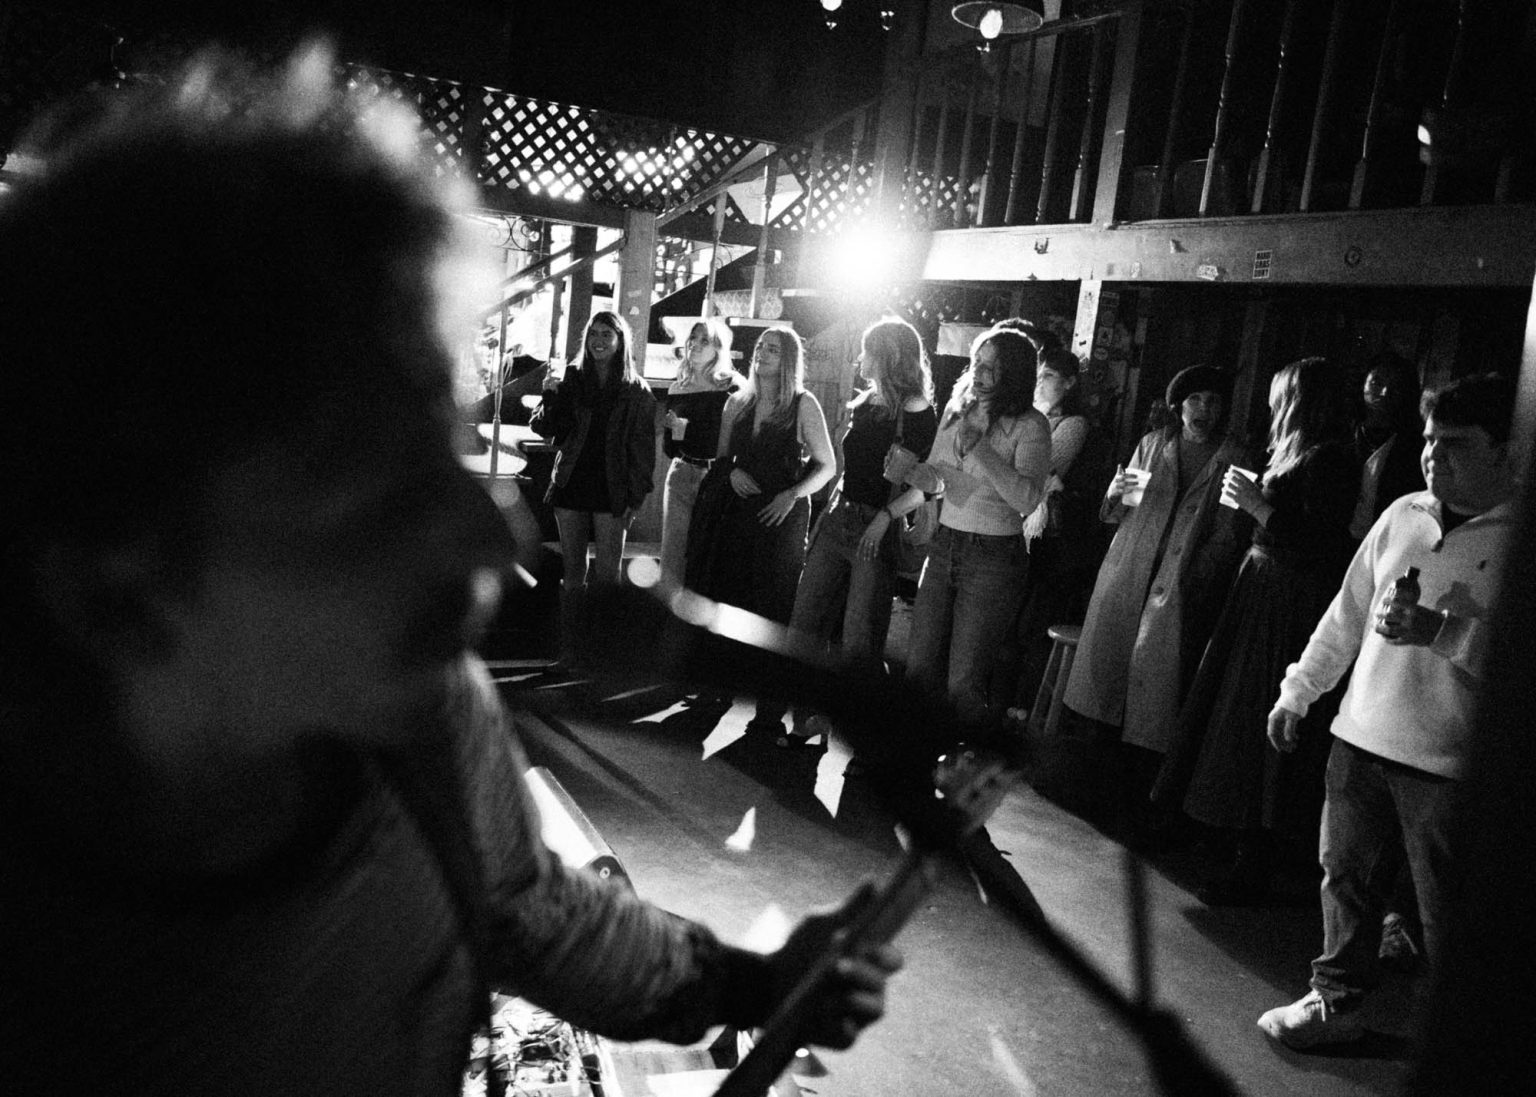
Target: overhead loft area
1157 140
1353 144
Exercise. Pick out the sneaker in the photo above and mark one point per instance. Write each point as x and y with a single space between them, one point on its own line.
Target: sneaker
1398 952
1311 1022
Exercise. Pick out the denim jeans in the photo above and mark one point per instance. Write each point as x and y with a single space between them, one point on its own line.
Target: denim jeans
1372 805
678 494
967 598
836 583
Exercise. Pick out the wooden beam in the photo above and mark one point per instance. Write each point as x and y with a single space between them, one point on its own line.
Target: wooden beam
1113 167
637 278
1445 246
519 203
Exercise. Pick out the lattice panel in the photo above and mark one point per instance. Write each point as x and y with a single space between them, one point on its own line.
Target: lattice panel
570 152
922 209
505 141
841 192
797 160
440 104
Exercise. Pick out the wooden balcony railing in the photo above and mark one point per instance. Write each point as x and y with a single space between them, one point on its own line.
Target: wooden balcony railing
1207 108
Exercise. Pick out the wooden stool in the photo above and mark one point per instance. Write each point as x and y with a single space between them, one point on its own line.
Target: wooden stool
1046 715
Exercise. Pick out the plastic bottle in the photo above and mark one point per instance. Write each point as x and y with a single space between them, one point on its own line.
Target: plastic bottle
1405 592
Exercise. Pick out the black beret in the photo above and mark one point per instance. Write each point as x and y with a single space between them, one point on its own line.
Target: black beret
1197 379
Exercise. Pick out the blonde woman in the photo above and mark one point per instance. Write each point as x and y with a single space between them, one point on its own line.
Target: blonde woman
849 572
691 416
746 544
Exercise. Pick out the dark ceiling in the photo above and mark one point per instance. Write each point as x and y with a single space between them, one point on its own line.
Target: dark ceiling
759 68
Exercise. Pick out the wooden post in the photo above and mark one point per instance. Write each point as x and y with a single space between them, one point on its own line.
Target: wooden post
1264 180
1218 137
714 253
1163 201
855 151
989 169
1450 96
557 290
1053 126
1085 138
1332 58
911 190
583 244
1365 174
963 171
812 172
1516 157
1108 198
760 267
936 180
637 277
1016 168
895 131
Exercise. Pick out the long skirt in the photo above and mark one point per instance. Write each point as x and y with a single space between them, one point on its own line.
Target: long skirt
1221 769
732 557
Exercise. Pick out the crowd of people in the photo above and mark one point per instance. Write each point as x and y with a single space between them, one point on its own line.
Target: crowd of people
748 453
247 723
1235 570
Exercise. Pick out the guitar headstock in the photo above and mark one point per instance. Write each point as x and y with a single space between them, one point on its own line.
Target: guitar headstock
972 782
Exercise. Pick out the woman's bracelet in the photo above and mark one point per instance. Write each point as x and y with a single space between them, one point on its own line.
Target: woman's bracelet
891 514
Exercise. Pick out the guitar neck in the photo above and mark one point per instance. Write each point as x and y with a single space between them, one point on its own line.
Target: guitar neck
880 920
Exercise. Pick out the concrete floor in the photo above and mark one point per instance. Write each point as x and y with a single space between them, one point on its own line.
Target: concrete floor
979 1009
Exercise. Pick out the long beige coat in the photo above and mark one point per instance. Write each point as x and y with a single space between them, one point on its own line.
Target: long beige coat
1145 630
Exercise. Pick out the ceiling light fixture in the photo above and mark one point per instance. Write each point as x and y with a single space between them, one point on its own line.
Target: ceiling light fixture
993 18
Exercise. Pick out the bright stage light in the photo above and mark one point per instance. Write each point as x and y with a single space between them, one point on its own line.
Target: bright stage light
991 24
863 257
831 5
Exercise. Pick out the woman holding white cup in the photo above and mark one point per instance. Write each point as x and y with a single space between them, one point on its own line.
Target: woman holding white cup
1221 770
691 433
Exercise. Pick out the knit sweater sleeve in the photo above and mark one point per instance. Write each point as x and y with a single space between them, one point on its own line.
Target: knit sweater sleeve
1338 636
1066 443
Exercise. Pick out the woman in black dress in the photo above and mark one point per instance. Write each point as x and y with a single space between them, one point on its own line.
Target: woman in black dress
1221 770
746 544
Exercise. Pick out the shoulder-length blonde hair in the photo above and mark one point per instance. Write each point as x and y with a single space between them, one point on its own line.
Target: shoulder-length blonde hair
901 364
717 372
1306 409
791 377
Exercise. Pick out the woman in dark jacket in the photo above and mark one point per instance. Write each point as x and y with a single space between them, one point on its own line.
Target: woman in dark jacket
602 418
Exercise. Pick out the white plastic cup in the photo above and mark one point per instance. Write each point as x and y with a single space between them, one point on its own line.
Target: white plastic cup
1133 496
1227 498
